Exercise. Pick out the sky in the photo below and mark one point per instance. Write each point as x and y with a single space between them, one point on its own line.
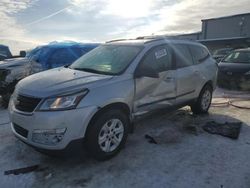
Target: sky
42 21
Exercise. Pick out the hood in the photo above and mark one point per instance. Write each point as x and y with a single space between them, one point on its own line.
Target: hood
14 62
240 68
58 81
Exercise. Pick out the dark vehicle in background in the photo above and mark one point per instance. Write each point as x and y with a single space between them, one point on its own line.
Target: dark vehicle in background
4 52
39 59
234 70
219 54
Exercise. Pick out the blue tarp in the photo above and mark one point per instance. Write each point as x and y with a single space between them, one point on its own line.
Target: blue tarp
68 52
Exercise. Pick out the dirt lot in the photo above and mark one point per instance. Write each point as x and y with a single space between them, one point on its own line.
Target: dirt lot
186 156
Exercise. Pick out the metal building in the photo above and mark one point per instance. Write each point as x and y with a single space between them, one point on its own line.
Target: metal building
229 31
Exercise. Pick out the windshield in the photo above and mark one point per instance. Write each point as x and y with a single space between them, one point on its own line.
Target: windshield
222 51
238 57
107 59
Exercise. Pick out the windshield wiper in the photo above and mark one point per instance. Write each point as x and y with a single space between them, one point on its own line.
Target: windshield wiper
88 70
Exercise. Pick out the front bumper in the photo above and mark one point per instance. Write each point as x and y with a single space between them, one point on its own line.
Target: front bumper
234 81
73 121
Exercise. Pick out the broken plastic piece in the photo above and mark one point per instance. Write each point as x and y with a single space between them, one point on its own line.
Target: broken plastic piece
227 129
21 170
150 139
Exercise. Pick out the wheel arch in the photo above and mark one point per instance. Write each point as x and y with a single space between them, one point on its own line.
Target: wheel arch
116 105
208 83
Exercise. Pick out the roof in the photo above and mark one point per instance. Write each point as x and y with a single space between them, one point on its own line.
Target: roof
69 44
128 42
223 17
243 49
3 46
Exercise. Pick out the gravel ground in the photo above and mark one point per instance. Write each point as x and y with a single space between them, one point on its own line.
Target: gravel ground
185 155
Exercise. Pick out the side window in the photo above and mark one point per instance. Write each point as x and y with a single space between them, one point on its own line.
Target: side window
199 53
159 59
183 57
61 57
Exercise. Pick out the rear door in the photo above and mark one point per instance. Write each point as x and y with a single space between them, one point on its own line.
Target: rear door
206 67
155 93
186 73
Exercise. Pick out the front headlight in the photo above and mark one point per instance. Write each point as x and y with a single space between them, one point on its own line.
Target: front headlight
64 102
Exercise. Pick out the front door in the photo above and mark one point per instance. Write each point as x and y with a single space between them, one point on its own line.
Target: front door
155 93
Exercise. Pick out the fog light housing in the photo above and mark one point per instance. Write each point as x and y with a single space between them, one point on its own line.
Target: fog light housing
48 137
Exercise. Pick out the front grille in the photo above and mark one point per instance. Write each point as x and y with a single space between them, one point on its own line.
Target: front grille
19 130
26 104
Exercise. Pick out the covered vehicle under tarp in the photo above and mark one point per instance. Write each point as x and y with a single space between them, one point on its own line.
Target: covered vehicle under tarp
45 56
41 58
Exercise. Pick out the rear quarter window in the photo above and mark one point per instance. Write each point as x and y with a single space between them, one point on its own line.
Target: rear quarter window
183 57
199 53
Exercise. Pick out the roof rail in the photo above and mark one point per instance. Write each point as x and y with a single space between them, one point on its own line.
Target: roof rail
152 38
116 40
138 38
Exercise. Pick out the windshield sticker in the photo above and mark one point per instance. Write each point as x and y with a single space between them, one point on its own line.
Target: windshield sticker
160 53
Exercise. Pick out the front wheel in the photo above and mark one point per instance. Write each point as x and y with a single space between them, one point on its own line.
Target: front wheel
107 134
203 102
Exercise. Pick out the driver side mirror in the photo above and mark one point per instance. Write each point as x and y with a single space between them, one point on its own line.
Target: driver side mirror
146 71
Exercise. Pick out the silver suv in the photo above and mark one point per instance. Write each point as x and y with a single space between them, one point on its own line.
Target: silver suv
99 95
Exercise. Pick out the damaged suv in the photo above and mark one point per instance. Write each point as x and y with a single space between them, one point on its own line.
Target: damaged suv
96 98
39 59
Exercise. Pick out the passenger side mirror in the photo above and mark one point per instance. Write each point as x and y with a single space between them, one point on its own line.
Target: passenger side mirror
22 53
146 71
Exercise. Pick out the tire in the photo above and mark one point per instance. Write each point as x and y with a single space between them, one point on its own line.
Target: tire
202 104
107 134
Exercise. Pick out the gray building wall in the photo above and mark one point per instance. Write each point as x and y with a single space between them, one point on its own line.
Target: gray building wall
226 27
230 31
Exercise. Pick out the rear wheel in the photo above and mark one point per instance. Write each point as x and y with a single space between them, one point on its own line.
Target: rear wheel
107 134
203 102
